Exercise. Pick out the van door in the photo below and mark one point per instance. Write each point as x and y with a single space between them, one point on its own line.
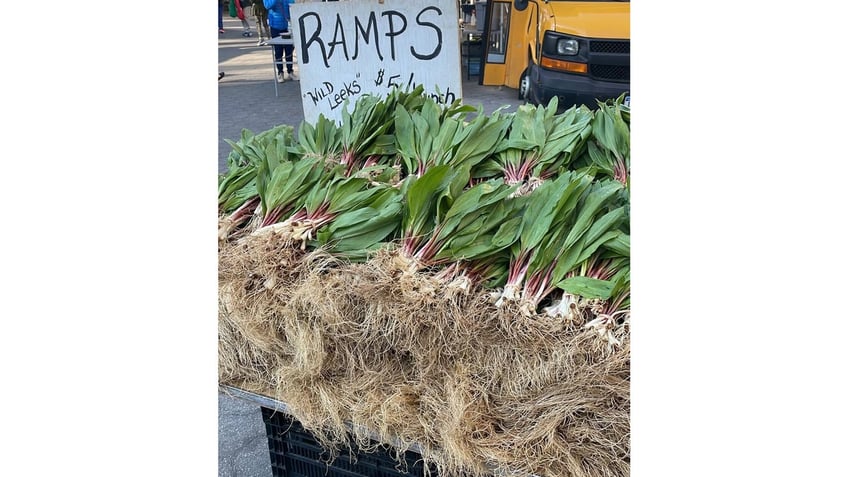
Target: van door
505 37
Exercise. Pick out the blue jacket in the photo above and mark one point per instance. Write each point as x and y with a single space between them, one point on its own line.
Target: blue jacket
278 13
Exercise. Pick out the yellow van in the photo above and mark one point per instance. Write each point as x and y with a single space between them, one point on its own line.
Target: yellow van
578 51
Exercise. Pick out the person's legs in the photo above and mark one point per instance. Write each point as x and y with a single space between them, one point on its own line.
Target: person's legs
258 19
245 23
262 23
221 17
278 55
289 49
278 49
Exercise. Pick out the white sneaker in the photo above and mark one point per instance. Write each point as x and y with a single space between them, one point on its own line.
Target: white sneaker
287 75
281 77
293 76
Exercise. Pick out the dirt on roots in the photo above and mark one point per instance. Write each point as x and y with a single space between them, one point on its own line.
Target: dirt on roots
356 350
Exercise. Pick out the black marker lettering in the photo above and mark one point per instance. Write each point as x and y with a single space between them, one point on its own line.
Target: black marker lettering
392 32
449 94
348 89
438 48
304 43
372 22
336 41
320 93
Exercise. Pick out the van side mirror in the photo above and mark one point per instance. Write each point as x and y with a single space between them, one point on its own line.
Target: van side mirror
520 5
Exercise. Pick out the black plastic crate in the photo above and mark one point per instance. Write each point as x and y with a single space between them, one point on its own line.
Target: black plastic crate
296 453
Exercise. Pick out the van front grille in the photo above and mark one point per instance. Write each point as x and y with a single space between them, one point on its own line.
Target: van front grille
610 72
609 46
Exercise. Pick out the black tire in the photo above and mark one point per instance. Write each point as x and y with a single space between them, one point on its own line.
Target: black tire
524 84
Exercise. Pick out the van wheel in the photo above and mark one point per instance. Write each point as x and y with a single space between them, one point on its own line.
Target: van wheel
524 85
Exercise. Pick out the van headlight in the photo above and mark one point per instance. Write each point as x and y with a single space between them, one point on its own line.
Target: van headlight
567 47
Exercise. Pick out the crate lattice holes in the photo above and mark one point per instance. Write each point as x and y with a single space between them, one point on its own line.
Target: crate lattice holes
296 453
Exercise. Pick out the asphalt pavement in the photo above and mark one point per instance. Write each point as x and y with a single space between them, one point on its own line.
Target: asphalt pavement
246 100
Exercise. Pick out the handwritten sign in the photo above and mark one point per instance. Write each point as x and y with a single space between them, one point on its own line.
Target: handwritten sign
352 48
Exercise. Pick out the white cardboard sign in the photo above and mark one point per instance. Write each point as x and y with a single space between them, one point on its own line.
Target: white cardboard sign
350 48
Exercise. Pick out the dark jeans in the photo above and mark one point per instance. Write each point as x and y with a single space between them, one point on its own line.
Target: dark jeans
278 50
220 16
